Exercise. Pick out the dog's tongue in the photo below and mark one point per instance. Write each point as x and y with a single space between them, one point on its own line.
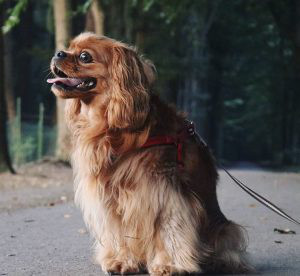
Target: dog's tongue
66 81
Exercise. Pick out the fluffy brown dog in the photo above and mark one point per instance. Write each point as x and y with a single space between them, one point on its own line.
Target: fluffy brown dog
143 209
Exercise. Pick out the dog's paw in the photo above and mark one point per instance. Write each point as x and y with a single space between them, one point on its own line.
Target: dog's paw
160 270
120 267
126 269
111 266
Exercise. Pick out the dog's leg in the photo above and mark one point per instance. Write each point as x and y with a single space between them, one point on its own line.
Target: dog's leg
160 263
178 248
120 264
105 255
114 257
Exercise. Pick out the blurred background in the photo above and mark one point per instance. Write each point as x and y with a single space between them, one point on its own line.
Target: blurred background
233 66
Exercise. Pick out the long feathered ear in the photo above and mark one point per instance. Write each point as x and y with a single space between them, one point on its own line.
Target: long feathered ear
150 71
129 99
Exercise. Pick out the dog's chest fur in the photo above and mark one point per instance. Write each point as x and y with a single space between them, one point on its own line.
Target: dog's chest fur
117 200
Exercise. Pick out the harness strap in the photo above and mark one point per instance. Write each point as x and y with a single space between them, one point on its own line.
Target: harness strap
188 131
176 140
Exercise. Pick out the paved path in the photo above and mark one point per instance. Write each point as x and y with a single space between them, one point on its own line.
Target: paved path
53 241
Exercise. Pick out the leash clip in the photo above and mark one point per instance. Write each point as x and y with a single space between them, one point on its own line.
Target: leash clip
190 128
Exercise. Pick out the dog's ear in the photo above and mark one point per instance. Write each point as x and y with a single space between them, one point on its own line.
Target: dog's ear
150 71
129 96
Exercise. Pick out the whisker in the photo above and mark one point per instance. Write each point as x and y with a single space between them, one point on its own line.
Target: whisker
47 75
47 69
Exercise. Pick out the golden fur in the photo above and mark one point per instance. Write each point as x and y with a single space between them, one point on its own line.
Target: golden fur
143 212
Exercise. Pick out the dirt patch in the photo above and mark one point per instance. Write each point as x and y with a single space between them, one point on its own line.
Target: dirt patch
44 183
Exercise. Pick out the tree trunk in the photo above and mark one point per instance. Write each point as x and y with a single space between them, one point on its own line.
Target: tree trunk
62 37
195 94
215 122
291 126
95 19
128 20
9 81
115 21
295 125
5 163
23 35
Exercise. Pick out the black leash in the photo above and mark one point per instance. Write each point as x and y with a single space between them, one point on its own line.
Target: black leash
260 198
252 193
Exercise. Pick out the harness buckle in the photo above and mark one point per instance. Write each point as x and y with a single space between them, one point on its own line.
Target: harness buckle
190 128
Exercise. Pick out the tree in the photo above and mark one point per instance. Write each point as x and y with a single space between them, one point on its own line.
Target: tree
232 65
95 18
288 23
5 163
9 83
62 37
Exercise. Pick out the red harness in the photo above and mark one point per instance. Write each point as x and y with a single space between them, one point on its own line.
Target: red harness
188 131
176 140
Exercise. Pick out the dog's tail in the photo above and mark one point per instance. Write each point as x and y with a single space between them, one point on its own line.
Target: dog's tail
229 242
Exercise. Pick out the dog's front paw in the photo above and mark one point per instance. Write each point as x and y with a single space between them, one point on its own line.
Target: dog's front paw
119 267
160 270
129 267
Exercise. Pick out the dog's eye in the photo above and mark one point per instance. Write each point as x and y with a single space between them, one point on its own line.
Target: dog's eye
85 57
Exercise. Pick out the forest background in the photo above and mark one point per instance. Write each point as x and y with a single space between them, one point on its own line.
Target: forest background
232 65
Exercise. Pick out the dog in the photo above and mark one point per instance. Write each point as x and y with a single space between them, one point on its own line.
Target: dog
149 205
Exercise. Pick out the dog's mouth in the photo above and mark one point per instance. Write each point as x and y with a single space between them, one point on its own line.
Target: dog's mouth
63 81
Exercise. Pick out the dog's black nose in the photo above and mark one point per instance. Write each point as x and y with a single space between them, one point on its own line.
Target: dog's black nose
61 54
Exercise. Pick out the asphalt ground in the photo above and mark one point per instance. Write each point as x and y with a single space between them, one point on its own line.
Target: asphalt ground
52 240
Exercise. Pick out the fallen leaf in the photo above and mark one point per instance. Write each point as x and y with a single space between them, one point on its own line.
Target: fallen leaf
82 231
29 220
252 205
284 231
63 198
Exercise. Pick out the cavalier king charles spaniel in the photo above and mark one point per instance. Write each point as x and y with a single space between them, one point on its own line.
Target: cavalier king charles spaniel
150 205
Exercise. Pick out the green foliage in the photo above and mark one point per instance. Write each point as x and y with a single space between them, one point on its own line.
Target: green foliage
23 152
40 129
231 64
30 141
233 103
14 15
22 148
17 135
82 8
148 4
50 19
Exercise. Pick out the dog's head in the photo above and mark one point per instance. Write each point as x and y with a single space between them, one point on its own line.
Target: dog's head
95 66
